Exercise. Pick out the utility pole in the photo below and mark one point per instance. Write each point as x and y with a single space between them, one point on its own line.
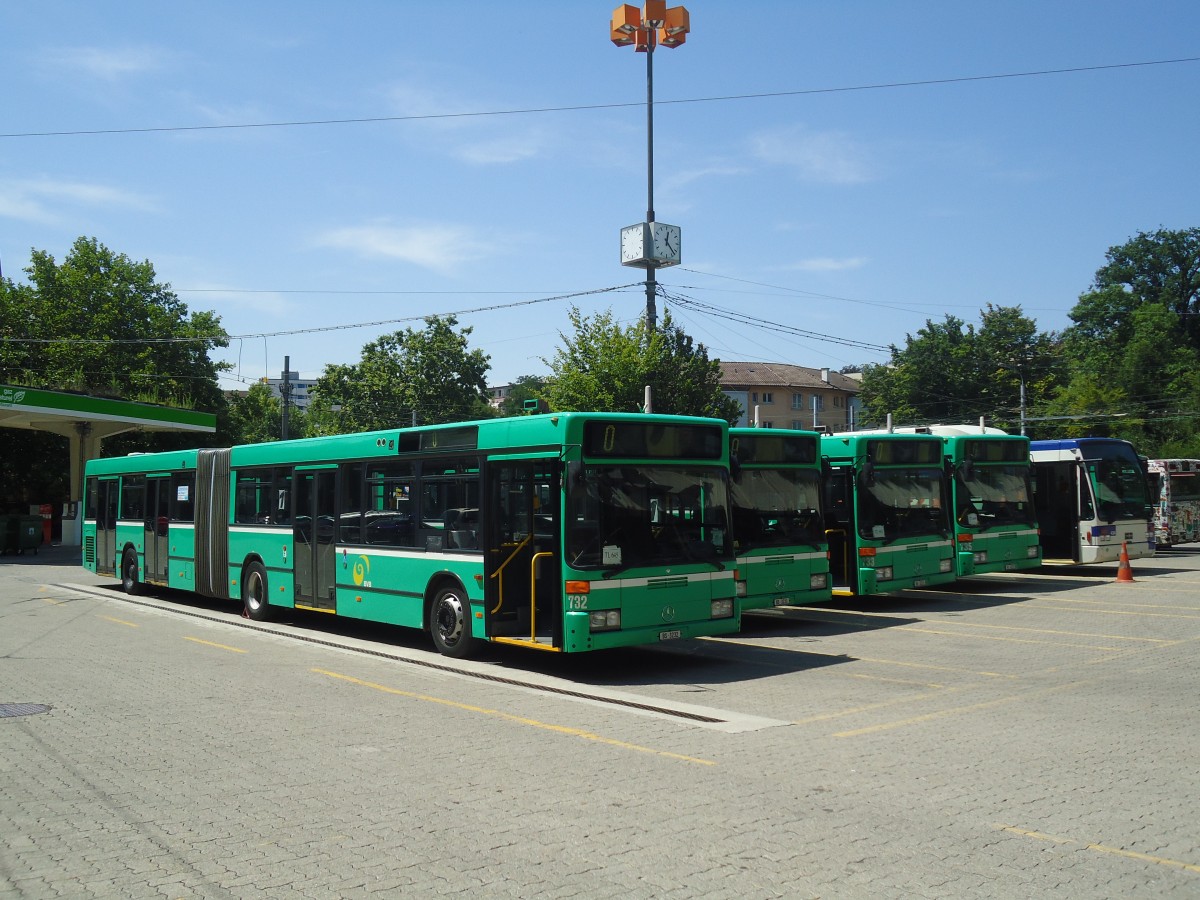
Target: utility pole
285 395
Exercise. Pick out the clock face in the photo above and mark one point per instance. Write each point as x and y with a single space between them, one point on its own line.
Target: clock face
632 243
666 244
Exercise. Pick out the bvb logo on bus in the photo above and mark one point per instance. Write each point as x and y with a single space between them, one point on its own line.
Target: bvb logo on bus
362 568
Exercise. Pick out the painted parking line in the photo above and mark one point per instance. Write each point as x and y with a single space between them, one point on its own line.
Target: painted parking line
1049 631
958 710
119 621
218 646
1117 612
992 637
932 667
509 717
1101 848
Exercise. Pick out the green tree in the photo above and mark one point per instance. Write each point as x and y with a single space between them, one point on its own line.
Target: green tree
100 323
526 387
952 372
422 377
1133 349
257 417
605 367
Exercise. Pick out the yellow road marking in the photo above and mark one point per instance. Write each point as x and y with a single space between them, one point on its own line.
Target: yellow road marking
52 601
509 717
1114 637
1102 848
958 710
218 646
824 717
986 637
914 665
121 622
924 684
1120 612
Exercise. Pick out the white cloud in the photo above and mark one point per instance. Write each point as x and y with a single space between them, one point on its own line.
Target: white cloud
453 131
829 157
672 180
47 201
106 63
440 248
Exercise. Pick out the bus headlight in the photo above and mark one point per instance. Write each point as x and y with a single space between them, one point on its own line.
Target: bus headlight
722 609
818 582
740 588
980 557
945 565
1032 551
883 573
605 619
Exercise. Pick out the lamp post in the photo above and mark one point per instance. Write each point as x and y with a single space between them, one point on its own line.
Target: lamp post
650 245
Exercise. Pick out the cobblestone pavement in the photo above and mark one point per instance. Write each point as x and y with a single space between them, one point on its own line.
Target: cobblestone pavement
1018 736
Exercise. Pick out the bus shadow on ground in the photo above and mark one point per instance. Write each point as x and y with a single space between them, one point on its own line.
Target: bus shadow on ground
689 666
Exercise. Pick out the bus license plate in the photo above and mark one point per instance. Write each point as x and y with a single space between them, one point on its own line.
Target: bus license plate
782 601
920 582
670 635
1010 567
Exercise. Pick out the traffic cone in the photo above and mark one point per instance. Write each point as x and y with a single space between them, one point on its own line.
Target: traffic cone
1124 573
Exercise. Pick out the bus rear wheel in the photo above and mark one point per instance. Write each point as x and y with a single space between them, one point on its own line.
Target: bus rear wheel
129 574
450 622
254 592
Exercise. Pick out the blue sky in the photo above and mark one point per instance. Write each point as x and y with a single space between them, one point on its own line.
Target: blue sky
515 149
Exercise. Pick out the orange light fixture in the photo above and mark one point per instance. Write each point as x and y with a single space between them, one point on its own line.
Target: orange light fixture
654 13
626 19
652 24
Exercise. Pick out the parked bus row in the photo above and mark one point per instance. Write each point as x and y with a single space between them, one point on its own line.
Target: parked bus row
579 531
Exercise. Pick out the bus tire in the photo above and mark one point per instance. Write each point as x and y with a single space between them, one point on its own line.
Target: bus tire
450 621
254 592
129 574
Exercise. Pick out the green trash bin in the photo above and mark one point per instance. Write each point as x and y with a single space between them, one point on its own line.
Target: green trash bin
29 535
8 533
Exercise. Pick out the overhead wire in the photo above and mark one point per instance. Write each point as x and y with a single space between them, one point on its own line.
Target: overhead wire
415 117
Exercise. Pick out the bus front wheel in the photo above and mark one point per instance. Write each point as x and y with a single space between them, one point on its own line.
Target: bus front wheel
254 592
129 574
450 622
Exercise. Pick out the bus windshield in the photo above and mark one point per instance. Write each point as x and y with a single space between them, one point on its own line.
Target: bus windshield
899 503
994 495
1117 480
777 508
620 516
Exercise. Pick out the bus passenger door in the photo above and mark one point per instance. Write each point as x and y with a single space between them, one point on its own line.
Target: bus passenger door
1056 502
523 599
314 566
157 543
839 529
106 525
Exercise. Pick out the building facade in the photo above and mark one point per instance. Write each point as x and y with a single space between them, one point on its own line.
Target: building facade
777 395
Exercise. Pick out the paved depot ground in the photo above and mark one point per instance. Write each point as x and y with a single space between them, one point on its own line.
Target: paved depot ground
1023 736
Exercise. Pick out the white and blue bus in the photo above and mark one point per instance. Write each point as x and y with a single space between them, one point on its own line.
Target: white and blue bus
1091 499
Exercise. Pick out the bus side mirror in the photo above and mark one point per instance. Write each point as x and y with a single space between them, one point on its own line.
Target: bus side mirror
968 469
735 466
868 474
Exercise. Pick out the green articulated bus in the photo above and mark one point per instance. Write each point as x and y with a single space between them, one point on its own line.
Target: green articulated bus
565 532
886 512
995 522
778 528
